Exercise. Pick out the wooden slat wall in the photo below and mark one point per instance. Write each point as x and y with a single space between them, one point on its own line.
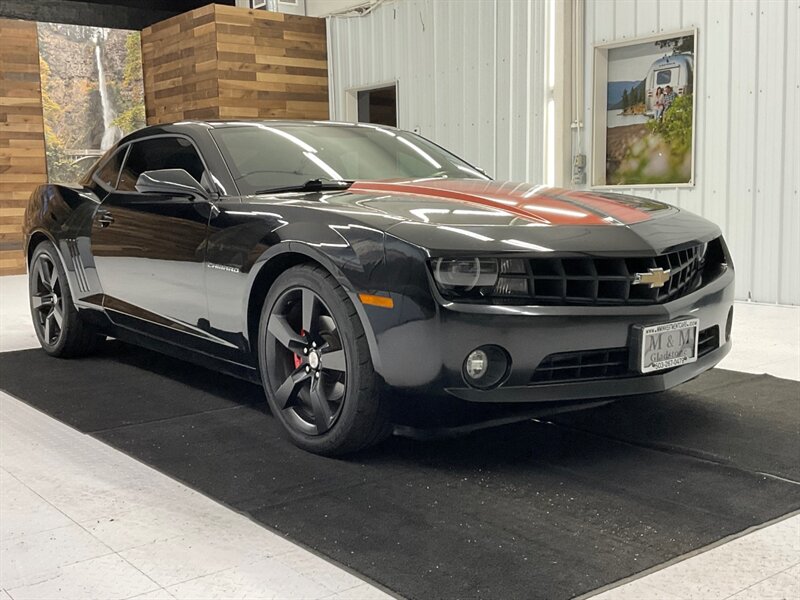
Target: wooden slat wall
179 60
271 65
22 155
233 63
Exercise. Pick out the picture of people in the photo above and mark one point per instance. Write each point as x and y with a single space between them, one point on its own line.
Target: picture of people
92 93
649 112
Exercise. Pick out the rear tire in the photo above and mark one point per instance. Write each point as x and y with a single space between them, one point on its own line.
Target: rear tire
316 367
58 325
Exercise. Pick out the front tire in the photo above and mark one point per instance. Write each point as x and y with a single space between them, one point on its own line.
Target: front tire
316 366
56 321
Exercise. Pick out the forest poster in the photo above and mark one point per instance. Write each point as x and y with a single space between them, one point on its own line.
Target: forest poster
650 111
92 93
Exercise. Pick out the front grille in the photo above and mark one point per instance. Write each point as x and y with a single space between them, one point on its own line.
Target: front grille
606 363
594 280
605 281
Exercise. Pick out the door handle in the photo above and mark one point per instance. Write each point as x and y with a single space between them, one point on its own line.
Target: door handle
104 218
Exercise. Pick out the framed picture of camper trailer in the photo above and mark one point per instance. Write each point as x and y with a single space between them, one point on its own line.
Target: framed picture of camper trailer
645 111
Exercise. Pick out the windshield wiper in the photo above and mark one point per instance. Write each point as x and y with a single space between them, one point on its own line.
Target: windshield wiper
312 185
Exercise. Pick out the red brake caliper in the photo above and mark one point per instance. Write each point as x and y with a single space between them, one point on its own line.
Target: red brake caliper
297 360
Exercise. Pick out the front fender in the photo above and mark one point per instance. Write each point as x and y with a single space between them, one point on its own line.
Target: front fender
342 271
248 248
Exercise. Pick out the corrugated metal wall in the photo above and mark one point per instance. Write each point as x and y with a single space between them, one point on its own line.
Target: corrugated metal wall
748 132
471 75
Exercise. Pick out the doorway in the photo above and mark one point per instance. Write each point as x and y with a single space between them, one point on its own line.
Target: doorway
378 105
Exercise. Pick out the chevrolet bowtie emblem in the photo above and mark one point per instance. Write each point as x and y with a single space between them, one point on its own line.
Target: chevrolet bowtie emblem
656 278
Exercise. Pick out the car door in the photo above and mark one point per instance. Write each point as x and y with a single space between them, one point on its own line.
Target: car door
149 249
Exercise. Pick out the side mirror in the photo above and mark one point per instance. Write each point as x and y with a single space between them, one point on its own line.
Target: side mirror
177 182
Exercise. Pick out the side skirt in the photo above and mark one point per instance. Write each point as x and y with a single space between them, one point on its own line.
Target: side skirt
182 353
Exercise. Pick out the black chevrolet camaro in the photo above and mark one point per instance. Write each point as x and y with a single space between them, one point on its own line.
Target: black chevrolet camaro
335 263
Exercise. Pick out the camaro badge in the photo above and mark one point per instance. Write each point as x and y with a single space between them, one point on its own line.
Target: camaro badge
656 277
222 267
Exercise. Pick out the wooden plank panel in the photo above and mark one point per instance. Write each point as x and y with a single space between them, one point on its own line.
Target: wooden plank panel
12 262
22 154
227 62
179 60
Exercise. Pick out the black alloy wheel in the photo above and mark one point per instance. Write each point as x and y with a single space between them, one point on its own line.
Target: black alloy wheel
47 300
309 359
316 366
58 325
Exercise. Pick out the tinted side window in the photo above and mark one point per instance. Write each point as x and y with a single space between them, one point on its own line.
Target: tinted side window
159 153
663 77
109 172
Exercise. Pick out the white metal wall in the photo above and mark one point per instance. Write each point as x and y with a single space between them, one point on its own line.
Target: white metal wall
471 75
296 7
748 131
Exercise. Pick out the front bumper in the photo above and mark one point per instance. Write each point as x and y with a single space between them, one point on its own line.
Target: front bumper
596 389
429 357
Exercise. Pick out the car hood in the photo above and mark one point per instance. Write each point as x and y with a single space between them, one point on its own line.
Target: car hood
508 203
447 216
462 216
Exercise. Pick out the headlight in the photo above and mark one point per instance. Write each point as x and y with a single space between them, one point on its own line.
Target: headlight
465 274
501 280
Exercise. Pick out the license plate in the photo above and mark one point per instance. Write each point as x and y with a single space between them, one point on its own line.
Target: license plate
664 346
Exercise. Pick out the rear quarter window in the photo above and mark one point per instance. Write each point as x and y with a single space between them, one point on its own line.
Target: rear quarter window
109 172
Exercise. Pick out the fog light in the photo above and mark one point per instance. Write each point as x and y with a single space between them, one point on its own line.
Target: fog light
486 367
477 364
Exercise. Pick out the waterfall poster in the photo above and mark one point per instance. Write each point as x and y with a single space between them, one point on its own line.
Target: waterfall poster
92 93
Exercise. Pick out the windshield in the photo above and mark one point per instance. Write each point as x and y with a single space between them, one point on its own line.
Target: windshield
263 156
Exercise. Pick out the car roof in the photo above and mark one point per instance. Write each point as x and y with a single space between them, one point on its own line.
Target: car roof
192 126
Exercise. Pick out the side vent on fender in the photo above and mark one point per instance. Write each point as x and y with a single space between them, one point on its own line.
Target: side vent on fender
80 272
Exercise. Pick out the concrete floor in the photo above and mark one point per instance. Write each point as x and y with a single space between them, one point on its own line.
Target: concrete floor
79 519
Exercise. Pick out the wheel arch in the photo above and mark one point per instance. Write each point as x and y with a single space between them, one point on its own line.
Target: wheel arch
268 271
36 238
278 260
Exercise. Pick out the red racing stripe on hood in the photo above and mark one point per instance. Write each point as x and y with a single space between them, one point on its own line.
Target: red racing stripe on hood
539 208
539 204
619 211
